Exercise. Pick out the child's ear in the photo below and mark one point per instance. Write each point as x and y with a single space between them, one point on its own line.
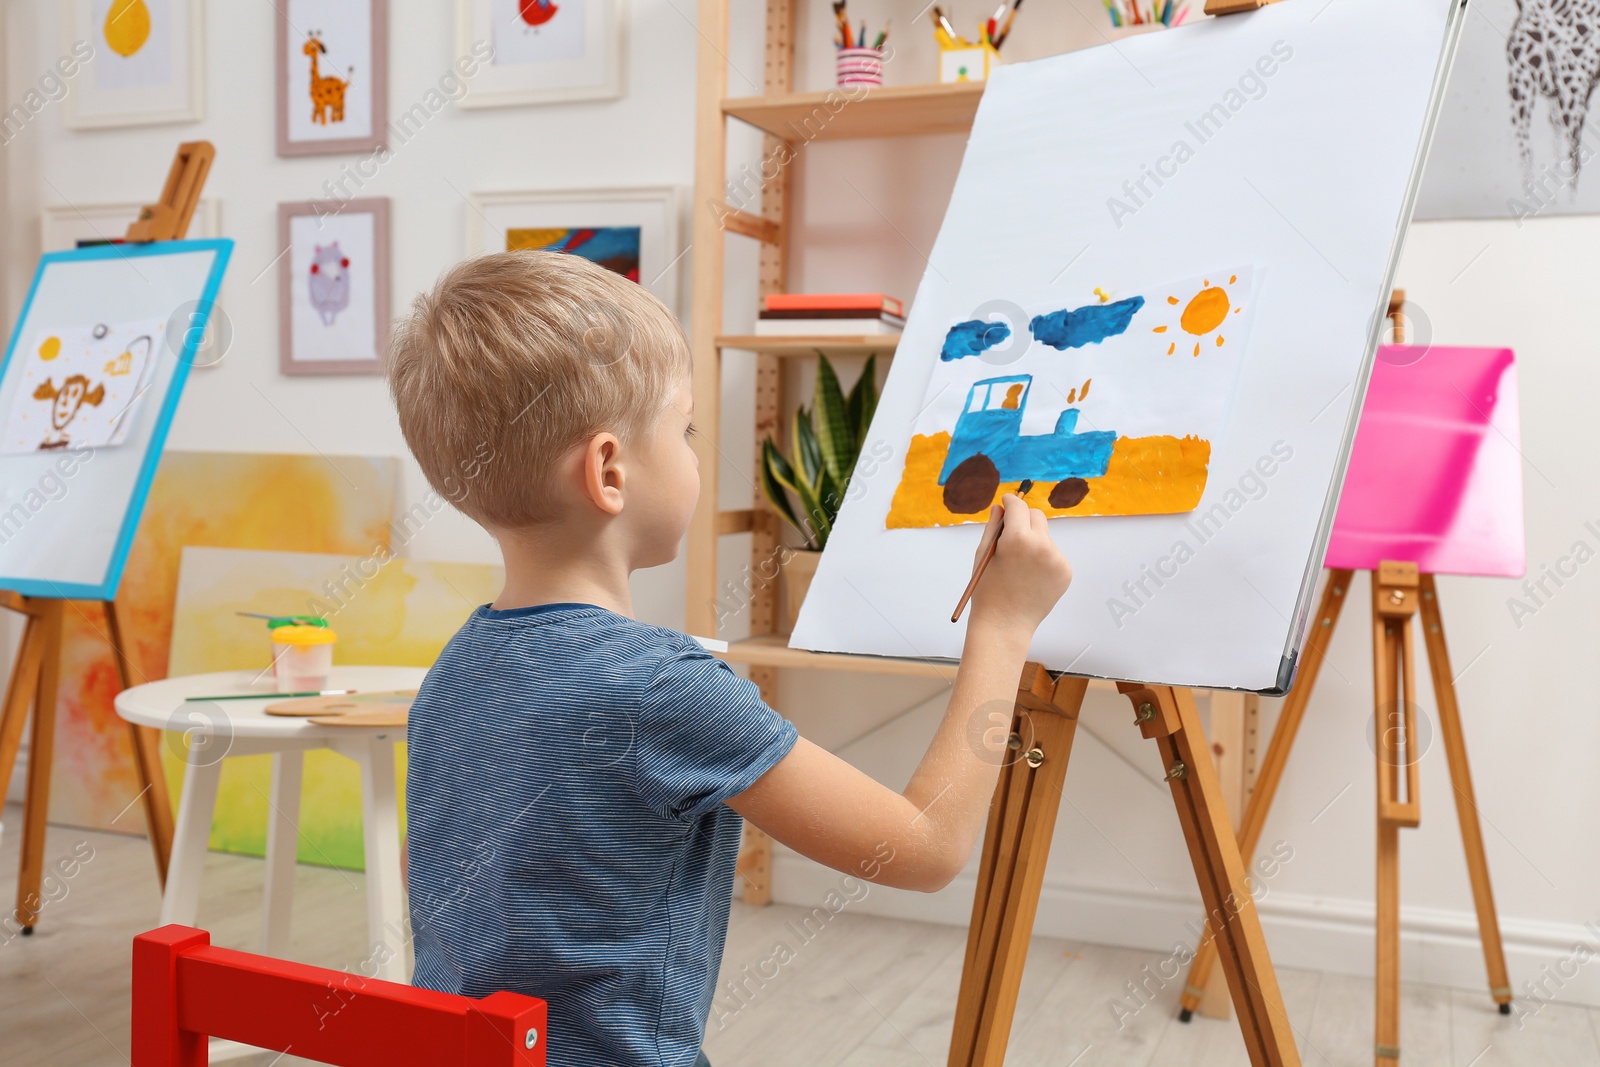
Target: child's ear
602 472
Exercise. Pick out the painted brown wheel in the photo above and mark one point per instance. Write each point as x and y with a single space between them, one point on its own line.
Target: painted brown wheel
1069 493
971 486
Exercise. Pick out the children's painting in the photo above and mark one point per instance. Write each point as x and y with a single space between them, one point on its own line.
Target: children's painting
613 247
540 51
1106 408
142 62
538 31
298 503
81 386
332 76
631 231
334 300
386 610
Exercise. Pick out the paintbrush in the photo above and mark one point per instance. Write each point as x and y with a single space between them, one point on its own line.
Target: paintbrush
983 564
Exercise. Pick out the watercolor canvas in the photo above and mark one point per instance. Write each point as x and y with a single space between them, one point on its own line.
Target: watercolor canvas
308 503
1108 408
81 386
1151 317
386 610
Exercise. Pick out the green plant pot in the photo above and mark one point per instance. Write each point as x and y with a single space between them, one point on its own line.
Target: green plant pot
797 569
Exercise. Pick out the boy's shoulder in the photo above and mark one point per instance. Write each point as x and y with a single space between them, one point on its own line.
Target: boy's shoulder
565 637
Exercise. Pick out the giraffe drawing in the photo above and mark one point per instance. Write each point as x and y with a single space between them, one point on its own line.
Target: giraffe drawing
327 93
1552 51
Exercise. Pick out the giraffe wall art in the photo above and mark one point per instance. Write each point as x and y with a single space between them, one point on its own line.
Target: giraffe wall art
332 76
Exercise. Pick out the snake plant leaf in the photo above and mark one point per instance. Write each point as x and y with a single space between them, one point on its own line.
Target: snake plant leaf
835 432
863 401
776 474
816 521
807 447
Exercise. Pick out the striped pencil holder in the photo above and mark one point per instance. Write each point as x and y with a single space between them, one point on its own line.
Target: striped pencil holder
860 66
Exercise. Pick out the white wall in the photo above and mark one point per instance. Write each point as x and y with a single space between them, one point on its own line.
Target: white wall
866 214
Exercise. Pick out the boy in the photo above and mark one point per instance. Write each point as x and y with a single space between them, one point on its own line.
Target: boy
577 778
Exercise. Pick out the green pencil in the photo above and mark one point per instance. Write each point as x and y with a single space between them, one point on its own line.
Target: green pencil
273 696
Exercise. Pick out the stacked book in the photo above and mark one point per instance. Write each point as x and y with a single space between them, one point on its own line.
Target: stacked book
829 315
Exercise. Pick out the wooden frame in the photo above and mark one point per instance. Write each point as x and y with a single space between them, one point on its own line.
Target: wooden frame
376 71
658 269
378 208
483 90
76 16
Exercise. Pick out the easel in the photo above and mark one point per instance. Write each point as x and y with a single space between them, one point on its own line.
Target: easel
1397 591
1017 843
35 675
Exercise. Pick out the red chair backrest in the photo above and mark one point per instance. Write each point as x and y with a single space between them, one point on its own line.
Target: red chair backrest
185 991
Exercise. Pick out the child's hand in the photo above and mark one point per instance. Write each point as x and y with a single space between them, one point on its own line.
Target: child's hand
1028 573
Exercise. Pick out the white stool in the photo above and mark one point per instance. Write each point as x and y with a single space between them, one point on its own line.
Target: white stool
242 728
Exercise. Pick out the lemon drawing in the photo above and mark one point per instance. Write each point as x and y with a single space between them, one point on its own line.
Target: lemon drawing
127 26
50 349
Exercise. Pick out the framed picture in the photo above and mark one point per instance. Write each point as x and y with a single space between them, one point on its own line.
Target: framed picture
632 231
62 226
543 50
333 286
147 65
332 76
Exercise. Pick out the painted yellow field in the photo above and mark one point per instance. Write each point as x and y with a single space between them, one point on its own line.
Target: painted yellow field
1147 476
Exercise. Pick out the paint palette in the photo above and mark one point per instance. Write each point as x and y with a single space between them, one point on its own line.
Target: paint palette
352 709
1435 477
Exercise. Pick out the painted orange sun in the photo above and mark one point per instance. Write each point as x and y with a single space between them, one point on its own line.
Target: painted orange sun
1204 314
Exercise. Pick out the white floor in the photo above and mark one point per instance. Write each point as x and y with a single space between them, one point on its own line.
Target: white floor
857 991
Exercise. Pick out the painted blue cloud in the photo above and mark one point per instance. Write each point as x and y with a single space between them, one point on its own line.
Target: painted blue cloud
1076 327
972 339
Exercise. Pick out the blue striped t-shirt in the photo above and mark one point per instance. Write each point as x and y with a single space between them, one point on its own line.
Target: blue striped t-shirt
567 837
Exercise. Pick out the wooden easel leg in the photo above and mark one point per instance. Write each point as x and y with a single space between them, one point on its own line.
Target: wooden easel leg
20 692
1272 765
1022 819
1167 714
1444 691
146 755
41 753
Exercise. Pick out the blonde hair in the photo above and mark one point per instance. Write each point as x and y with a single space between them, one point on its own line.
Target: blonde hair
516 357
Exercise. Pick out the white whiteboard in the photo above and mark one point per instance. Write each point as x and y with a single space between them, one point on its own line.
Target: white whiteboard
68 513
1305 176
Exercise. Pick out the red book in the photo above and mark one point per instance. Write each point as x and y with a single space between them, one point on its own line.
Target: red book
833 302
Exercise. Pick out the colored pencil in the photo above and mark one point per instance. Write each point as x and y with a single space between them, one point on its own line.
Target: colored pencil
273 696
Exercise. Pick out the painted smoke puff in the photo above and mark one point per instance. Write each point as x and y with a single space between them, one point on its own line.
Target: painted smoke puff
329 281
1110 409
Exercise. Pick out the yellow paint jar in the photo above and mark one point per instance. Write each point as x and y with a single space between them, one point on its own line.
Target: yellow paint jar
302 657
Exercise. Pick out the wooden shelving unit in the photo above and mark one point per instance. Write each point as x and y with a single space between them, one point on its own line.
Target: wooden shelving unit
790 120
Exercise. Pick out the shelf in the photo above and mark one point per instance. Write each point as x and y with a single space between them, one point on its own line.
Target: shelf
853 345
773 650
887 111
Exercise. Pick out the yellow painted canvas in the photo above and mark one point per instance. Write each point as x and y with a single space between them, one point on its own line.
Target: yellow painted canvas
387 612
305 503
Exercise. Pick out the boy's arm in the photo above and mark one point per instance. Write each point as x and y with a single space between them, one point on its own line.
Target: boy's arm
825 809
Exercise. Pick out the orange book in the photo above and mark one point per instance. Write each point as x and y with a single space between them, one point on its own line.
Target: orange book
833 302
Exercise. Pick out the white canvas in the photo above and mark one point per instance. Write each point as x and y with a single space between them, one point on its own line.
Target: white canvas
1286 140
344 27
332 309
64 513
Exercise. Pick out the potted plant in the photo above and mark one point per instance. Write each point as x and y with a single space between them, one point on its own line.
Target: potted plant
807 486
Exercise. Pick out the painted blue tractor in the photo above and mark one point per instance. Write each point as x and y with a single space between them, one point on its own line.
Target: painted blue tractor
988 448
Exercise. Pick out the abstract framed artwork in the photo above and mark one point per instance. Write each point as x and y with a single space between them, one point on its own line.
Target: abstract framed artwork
333 286
332 76
543 50
147 64
632 231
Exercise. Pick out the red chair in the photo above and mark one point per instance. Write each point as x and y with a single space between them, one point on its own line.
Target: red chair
185 991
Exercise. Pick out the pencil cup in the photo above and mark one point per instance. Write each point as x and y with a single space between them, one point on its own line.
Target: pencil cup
302 658
860 66
965 62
